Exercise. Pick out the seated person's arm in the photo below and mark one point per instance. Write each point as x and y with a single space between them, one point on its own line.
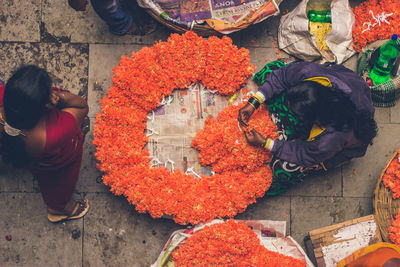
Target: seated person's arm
282 79
308 153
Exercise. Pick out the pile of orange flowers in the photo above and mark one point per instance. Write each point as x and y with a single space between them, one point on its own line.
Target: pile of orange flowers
375 20
229 244
139 84
223 145
391 178
394 230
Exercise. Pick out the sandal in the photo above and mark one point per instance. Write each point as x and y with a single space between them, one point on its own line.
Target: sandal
80 210
142 28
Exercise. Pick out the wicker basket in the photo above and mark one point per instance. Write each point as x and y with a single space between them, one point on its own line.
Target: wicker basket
385 94
385 207
200 29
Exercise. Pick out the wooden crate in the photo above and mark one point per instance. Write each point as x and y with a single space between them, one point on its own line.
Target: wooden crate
323 238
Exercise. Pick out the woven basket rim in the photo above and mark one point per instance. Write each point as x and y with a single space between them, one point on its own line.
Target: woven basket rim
202 30
385 207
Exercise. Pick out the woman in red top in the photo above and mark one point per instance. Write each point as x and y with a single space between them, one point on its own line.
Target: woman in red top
40 130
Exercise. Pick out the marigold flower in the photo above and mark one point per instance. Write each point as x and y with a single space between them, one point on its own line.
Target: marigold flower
391 178
375 20
138 85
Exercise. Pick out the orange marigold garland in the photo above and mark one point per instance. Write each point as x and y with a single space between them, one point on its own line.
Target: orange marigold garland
375 20
229 244
138 86
391 178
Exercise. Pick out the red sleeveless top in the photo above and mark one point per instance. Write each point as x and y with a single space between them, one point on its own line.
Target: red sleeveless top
63 141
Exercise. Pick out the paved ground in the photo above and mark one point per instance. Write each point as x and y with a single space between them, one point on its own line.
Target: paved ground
77 49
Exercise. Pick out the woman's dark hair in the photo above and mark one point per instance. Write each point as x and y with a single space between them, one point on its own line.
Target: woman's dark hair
25 96
312 103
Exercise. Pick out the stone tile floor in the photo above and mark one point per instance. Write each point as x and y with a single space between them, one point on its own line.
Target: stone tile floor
79 52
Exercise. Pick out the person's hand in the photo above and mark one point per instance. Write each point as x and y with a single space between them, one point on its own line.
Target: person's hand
254 138
54 99
245 114
78 5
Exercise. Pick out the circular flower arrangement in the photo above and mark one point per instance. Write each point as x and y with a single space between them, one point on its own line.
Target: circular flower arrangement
139 84
229 244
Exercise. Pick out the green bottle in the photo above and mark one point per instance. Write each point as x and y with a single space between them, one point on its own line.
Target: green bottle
323 16
380 72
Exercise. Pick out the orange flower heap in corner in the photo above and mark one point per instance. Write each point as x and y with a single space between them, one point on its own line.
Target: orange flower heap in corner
375 20
138 86
229 244
391 178
394 230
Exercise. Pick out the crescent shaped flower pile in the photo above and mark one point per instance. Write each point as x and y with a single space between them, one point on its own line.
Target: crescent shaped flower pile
229 244
223 145
375 20
138 85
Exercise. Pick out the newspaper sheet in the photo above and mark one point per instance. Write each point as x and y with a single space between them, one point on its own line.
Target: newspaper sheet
225 16
173 125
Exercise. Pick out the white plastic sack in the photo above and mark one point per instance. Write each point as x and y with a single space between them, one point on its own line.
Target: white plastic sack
272 235
295 38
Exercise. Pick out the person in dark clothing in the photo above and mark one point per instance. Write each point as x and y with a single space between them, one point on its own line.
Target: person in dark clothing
324 115
119 22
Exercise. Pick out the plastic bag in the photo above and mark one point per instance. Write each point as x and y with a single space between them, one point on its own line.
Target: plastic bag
271 234
294 36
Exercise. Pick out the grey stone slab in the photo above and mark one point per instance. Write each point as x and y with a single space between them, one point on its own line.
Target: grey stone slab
102 59
395 113
382 115
260 56
34 240
236 38
14 55
116 235
361 174
262 34
319 184
275 208
20 21
62 23
309 213
66 63
90 178
15 180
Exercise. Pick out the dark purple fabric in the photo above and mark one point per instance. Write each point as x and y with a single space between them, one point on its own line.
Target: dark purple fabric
331 147
342 78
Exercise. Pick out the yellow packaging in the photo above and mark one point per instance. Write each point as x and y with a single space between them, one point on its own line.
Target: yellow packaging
320 30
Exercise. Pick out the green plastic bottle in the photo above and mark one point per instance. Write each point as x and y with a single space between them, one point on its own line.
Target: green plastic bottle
380 72
323 16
